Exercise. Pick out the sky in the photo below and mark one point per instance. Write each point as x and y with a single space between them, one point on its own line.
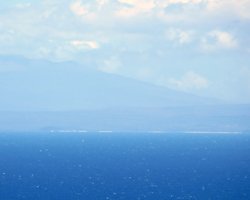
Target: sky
196 46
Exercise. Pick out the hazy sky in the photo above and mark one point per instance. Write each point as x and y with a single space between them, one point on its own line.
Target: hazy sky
197 46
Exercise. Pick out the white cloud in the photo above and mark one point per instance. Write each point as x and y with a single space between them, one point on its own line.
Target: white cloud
23 5
102 3
200 11
111 65
182 11
181 36
231 7
139 40
189 81
238 8
132 8
166 3
217 39
78 8
185 1
81 10
83 44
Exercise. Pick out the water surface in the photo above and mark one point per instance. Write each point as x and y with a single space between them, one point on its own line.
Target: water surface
124 166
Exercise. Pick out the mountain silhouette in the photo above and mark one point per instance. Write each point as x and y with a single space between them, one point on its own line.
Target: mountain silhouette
39 85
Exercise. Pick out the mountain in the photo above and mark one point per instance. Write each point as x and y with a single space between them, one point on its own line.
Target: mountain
38 85
40 95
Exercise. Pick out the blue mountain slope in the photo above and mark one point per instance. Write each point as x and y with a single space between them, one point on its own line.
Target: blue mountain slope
40 85
40 95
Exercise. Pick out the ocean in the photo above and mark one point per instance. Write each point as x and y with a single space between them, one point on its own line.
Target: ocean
124 166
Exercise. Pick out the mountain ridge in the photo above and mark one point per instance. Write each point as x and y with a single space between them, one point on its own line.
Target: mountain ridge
41 85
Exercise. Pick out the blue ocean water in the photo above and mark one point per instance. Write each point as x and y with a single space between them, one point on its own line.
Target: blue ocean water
106 166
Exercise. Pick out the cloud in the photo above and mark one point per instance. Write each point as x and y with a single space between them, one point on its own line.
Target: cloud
217 39
131 8
170 2
102 3
239 8
180 36
81 10
78 8
189 81
111 65
104 33
83 44
23 5
200 11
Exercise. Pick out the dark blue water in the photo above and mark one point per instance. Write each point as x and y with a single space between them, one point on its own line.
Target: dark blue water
124 166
